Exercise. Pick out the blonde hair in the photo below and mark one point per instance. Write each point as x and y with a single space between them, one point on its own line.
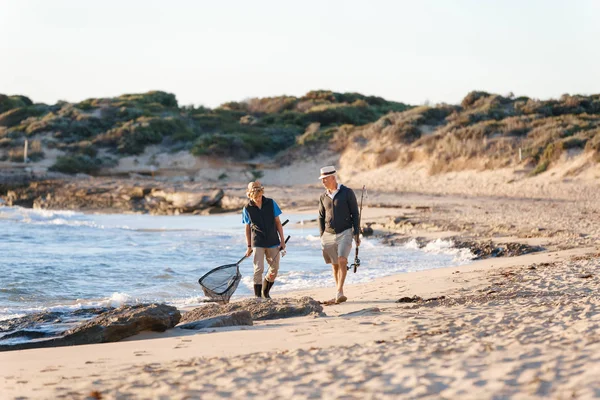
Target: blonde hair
254 187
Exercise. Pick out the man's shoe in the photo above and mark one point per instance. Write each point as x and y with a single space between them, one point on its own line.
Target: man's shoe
257 290
340 298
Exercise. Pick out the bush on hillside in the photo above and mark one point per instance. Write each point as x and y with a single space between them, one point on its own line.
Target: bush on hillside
16 115
9 102
78 163
153 97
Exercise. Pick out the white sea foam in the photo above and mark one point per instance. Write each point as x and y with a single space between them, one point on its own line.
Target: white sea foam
441 246
118 299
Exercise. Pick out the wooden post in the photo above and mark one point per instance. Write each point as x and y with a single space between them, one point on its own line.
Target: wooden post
25 151
520 155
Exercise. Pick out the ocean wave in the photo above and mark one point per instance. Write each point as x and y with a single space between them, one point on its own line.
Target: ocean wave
441 246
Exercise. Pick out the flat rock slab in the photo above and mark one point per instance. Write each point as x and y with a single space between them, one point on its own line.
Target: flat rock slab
259 309
235 318
112 326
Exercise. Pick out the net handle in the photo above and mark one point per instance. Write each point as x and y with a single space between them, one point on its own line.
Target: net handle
286 240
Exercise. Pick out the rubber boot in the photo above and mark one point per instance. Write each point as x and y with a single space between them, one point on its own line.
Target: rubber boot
258 290
266 288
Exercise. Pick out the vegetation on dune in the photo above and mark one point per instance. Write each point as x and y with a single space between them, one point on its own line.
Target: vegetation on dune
125 125
485 127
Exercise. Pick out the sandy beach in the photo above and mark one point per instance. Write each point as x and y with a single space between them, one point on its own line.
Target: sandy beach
511 327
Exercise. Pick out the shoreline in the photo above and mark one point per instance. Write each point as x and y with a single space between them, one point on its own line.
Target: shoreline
365 320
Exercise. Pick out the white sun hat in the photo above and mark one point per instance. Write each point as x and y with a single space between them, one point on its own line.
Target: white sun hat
327 171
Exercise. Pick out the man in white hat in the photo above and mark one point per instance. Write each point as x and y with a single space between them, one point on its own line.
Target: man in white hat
338 224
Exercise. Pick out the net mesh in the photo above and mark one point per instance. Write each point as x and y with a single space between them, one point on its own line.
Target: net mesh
220 283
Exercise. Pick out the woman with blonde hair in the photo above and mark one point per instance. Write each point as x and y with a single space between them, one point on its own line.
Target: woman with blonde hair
264 237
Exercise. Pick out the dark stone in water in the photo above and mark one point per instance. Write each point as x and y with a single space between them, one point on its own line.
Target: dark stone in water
55 317
112 326
26 334
29 321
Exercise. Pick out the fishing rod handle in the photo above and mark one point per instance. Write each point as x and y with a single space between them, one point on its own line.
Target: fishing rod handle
286 240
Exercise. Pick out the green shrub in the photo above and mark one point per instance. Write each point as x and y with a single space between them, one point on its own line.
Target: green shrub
16 115
215 144
135 138
161 98
316 136
574 142
9 102
341 114
87 148
552 152
78 163
541 167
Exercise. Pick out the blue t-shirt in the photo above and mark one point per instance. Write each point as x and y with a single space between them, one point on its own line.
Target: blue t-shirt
246 216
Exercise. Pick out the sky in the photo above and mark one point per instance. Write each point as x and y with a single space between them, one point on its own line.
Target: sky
211 52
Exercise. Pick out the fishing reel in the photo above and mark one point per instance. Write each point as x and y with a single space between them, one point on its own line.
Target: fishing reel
356 264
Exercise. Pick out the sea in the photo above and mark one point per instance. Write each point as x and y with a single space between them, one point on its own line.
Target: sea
67 262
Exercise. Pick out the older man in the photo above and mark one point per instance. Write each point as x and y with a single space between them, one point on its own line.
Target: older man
338 224
264 237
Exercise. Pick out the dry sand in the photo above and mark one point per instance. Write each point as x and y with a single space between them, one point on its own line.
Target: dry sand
520 327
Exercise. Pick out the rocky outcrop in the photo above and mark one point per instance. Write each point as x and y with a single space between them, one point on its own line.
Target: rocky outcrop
235 318
125 321
25 326
489 249
259 309
112 326
119 195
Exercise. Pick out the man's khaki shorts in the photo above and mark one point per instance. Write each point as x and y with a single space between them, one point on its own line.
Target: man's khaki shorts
336 245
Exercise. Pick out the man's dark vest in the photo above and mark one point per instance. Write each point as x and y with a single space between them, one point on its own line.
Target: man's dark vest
264 232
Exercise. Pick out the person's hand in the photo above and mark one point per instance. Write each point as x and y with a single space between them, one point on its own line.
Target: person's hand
282 245
357 240
248 251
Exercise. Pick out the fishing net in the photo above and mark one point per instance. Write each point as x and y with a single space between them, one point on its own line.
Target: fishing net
220 283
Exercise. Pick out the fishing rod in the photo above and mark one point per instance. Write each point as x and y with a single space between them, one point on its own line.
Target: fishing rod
356 263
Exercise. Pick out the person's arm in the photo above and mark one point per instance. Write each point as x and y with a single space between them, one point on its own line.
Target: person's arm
355 215
248 240
321 216
248 232
278 225
280 231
